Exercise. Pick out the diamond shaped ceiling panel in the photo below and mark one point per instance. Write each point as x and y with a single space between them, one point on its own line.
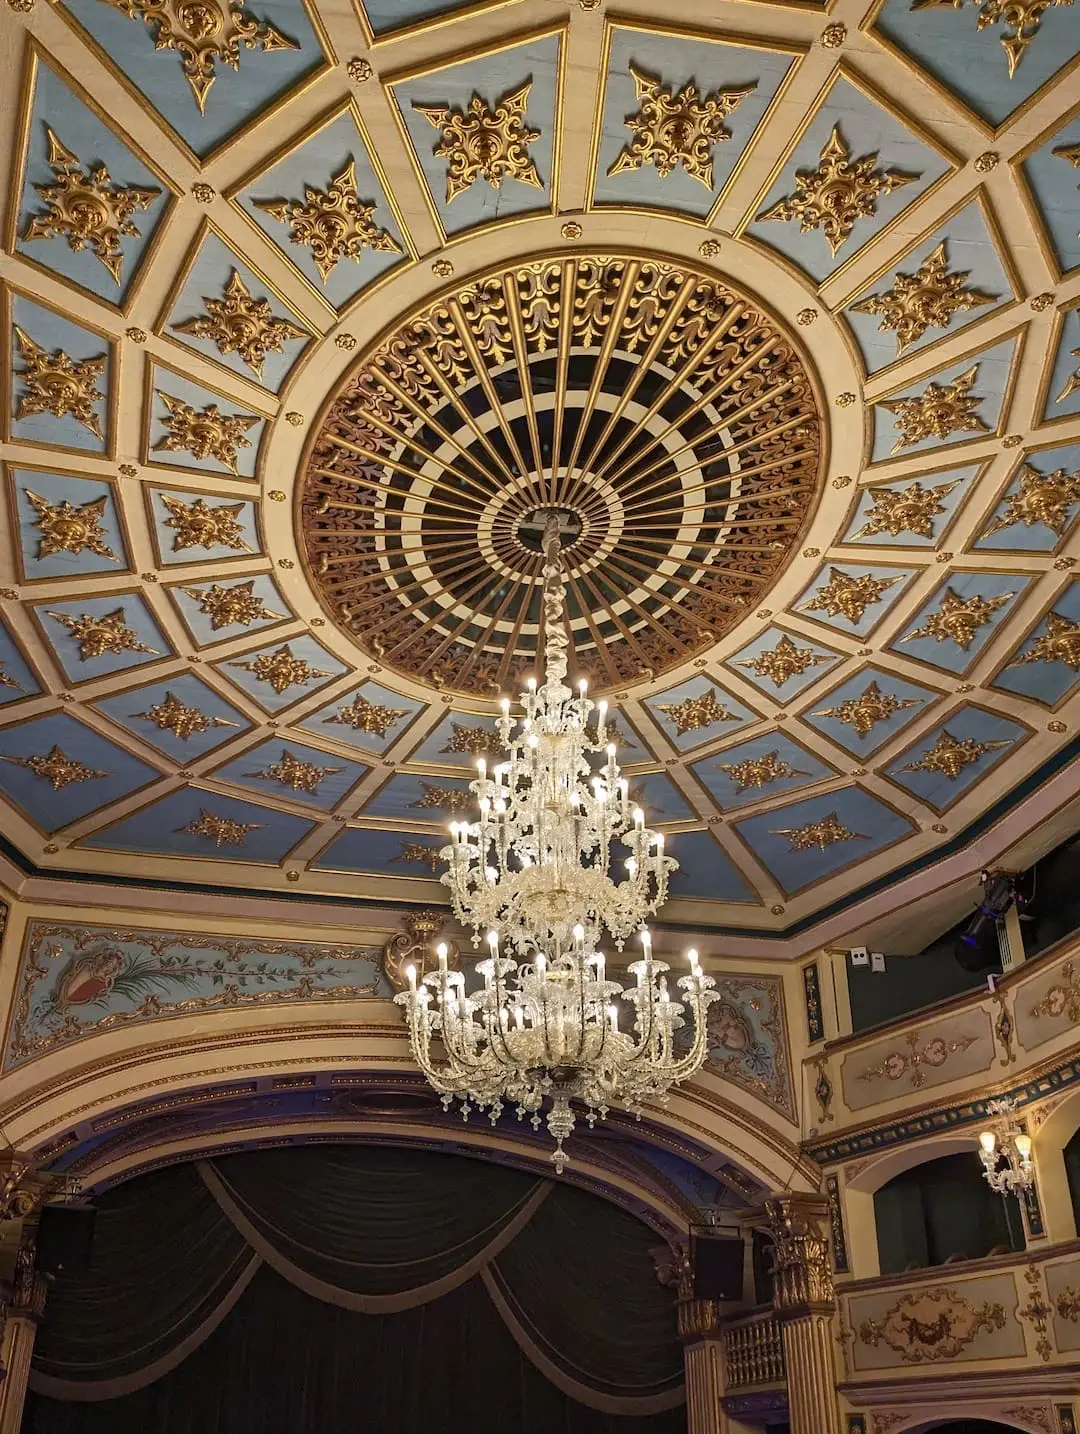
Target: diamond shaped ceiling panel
784 328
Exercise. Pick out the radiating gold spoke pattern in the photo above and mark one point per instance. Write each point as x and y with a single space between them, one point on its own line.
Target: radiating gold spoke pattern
668 418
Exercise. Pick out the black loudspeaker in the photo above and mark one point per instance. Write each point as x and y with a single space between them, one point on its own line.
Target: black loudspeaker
65 1238
718 1267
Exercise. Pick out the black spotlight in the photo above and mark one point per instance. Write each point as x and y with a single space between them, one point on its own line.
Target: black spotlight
976 949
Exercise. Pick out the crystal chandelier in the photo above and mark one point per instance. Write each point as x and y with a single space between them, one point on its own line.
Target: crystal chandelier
1011 1144
538 872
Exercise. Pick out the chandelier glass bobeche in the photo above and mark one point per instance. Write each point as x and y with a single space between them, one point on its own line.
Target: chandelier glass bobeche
535 873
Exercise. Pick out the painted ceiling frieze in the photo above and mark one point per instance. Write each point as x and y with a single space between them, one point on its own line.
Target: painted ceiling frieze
89 205
677 117
483 132
76 981
208 69
748 1039
854 169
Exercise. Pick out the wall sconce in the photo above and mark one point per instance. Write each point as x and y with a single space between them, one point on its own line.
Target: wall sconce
1007 1143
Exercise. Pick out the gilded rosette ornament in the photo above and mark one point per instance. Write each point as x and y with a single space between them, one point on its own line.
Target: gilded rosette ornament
927 299
783 662
364 716
925 1326
484 141
847 596
334 223
204 34
1021 20
816 836
87 209
57 768
941 410
672 129
176 716
198 525
65 528
447 799
1059 643
58 384
421 854
872 706
904 510
204 433
474 741
97 636
241 324
958 619
757 772
838 193
222 831
950 755
231 606
693 713
281 669
1044 498
292 772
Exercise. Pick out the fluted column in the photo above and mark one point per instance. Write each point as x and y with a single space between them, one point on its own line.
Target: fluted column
805 1302
21 1317
703 1356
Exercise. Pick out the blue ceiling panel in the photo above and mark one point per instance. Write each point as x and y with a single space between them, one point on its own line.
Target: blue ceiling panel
57 769
383 853
960 619
226 527
1046 666
96 636
1020 522
978 383
153 714
706 872
459 739
205 607
1054 180
370 717
435 801
207 825
56 509
84 136
867 709
385 16
763 767
84 422
852 824
300 774
16 679
1063 392
236 95
755 662
702 709
170 427
280 674
853 598
945 762
884 518
676 61
659 797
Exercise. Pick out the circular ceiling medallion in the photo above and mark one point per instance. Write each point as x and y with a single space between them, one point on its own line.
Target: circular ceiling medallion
666 417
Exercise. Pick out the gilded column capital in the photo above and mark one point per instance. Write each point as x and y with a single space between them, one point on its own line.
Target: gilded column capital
802 1279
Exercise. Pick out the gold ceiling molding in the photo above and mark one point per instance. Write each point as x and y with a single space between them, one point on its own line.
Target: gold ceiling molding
847 596
484 141
364 716
474 741
941 410
1042 498
904 510
838 193
1059 643
783 662
281 669
927 299
443 589
452 800
672 129
863 713
198 525
58 384
334 223
241 324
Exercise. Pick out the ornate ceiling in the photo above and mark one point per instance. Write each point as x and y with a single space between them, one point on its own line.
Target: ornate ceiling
311 309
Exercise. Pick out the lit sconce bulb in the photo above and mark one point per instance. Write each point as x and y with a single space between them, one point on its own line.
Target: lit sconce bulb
646 938
613 1016
988 1141
583 687
485 805
631 865
504 703
410 972
1023 1145
481 767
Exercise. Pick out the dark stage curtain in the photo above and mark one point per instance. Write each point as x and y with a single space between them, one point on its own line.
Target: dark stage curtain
237 1298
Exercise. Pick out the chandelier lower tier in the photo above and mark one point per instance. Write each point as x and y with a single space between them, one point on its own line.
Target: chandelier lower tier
558 857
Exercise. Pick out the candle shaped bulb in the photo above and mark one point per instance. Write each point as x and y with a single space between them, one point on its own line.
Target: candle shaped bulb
485 805
1023 1145
531 684
500 808
534 740
579 937
600 967
410 972
453 831
441 952
481 767
601 708
582 688
504 703
493 942
519 1018
631 865
610 749
639 818
541 964
988 1141
491 874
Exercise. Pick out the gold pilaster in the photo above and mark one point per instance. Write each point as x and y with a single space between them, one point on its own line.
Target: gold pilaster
805 1301
22 1313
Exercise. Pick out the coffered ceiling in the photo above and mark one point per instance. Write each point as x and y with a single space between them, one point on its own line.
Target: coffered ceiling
310 309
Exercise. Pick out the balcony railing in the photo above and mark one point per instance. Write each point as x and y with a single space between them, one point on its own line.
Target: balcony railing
753 1351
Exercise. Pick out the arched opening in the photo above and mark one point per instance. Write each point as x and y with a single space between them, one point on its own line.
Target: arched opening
330 1286
940 1212
970 1426
1071 1154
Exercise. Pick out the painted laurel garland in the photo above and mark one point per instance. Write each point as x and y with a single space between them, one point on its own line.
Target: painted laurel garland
667 416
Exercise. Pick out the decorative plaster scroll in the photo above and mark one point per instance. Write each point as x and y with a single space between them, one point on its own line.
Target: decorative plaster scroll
76 981
925 1326
958 1046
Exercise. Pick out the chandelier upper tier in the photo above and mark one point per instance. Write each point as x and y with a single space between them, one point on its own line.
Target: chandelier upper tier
668 417
540 874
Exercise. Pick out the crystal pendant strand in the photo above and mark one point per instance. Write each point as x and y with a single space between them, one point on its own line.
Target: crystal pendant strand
535 873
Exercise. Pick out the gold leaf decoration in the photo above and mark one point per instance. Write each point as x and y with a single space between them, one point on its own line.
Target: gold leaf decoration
65 528
281 669
904 510
1063 997
57 768
291 771
929 1325
205 433
693 713
175 716
475 741
757 772
816 836
204 33
484 141
222 831
926 299
783 662
1021 19
241 324
86 208
862 713
229 606
97 636
950 755
334 223
1059 643
58 384
1072 383
838 193
197 525
958 619
672 129
847 596
939 411
364 716
421 854
1042 498
447 799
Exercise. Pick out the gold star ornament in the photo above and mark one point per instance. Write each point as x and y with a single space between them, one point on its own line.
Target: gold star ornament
198 525
924 300
816 836
58 384
783 662
1021 20
672 129
941 410
1044 498
175 716
872 706
950 755
204 433
848 597
364 716
240 324
97 636
757 772
484 141
334 223
1059 643
57 768
281 669
222 831
904 510
958 619
231 606
65 528
693 713
292 772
